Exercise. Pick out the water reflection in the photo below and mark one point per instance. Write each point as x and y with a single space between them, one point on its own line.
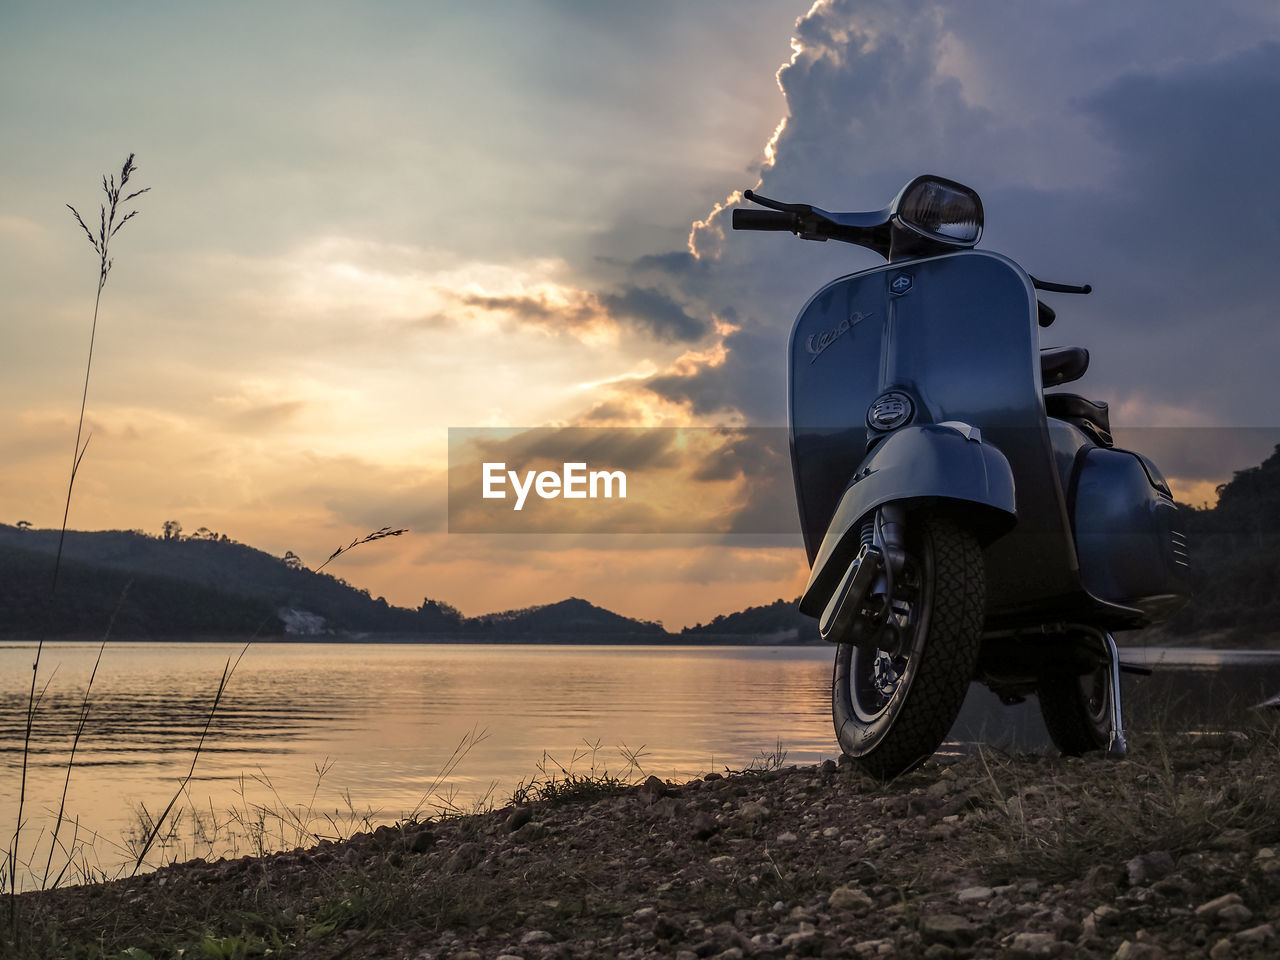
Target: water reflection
371 728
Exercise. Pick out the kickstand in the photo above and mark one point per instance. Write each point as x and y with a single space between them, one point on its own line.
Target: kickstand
1117 747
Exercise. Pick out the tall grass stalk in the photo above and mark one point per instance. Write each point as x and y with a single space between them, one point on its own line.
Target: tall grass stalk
227 671
112 217
81 721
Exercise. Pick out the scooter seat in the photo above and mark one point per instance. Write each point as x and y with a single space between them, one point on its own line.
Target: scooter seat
1093 418
1059 365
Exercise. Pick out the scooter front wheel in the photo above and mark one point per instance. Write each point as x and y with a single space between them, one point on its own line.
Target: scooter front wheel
892 708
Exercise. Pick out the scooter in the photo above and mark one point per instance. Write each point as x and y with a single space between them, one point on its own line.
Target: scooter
961 524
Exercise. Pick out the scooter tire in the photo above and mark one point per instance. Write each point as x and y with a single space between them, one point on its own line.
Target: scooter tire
1076 711
891 738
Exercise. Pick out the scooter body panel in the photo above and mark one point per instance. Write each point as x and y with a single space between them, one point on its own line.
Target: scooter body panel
957 334
1127 532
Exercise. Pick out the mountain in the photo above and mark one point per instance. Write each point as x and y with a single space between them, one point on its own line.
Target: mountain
134 604
208 586
572 616
1235 560
777 622
205 586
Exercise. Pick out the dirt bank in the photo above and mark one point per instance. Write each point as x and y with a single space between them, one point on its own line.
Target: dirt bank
1174 852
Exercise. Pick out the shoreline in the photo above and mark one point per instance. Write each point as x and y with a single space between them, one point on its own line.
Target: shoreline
1172 851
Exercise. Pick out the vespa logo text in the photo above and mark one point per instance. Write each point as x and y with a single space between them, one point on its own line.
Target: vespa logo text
818 342
573 482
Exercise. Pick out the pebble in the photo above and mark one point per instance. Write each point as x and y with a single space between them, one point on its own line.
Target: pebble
851 899
1236 913
975 894
518 818
801 938
704 826
535 937
722 862
1033 944
651 791
1258 934
753 811
1218 904
786 837
873 948
949 929
1146 868
1137 950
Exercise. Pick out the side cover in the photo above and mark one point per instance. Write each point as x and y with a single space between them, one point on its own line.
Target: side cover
1131 550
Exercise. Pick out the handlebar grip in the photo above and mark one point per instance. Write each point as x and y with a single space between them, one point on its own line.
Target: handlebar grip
763 220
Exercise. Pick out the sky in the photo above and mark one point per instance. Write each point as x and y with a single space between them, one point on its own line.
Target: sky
370 223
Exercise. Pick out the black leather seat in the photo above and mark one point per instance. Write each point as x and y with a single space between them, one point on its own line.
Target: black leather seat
1090 416
1059 365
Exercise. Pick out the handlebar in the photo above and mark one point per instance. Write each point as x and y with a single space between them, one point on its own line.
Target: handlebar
763 220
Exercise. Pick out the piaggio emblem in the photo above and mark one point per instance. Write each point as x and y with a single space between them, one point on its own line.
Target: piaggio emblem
890 411
818 342
901 283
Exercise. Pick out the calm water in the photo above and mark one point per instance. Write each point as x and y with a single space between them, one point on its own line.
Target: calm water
355 731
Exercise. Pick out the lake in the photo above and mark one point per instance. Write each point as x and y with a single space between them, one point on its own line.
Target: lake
318 739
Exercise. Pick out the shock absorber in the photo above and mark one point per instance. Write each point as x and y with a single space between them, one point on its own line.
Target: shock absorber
890 534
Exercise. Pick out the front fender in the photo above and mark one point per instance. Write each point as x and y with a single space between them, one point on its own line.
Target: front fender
933 463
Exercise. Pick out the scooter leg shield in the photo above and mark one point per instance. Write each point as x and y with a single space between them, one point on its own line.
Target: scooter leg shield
916 466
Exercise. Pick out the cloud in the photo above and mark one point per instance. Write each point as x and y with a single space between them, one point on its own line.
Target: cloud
656 313
643 310
1137 158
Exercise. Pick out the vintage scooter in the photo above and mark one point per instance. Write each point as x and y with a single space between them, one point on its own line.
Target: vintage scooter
961 523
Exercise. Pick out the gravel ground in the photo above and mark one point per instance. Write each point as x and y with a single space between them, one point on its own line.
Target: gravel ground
1172 853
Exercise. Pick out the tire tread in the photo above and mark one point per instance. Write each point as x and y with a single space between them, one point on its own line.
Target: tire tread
947 661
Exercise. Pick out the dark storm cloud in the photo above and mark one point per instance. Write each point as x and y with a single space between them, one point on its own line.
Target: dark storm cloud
1201 150
677 263
1142 163
747 382
655 313
644 310
536 310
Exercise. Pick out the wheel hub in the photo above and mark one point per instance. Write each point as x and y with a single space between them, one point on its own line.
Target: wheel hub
884 675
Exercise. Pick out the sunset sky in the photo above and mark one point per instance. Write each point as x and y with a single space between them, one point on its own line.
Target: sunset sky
372 222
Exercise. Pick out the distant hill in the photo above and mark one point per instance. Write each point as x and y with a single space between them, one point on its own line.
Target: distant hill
777 622
134 604
206 586
572 616
1235 560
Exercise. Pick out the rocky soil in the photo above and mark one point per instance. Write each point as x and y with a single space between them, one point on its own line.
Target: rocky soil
1174 852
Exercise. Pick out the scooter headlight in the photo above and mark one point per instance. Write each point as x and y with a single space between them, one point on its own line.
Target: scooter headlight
941 210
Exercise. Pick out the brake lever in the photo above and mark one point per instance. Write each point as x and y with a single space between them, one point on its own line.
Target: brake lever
776 204
1060 287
